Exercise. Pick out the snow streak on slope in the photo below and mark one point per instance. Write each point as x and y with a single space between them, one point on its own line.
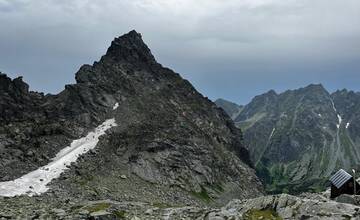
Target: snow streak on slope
338 116
340 120
36 181
272 133
333 105
116 106
347 125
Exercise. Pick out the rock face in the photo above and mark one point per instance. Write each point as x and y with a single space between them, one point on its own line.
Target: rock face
298 138
28 135
171 143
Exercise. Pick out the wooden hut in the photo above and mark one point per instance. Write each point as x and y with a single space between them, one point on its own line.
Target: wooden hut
343 183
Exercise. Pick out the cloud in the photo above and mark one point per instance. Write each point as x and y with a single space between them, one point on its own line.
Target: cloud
242 41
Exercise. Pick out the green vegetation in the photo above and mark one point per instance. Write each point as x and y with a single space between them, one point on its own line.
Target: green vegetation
203 195
347 145
244 125
120 214
277 181
266 214
84 179
218 188
161 205
97 207
294 188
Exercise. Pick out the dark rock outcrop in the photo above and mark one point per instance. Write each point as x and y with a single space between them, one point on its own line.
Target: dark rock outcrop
16 102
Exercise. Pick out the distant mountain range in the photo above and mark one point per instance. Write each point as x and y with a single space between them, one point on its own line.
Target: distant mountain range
298 138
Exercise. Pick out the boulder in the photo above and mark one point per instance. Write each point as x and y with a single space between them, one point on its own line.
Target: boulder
345 198
102 215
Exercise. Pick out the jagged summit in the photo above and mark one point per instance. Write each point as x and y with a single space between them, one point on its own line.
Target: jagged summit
128 51
130 48
6 84
271 92
315 88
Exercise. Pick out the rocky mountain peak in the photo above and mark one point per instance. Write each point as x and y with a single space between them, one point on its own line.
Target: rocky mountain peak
128 51
343 92
271 93
131 48
168 134
315 88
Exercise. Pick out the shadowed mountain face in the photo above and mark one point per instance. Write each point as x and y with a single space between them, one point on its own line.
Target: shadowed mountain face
232 109
298 138
169 138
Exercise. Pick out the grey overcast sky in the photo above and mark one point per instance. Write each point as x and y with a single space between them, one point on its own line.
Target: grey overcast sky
234 49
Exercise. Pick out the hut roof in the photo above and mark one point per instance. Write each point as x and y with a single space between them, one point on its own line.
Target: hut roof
339 178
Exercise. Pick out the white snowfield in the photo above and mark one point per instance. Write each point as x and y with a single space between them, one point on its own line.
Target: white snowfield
35 182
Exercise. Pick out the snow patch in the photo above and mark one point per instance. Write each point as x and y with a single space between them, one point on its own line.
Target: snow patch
319 115
116 106
272 133
333 105
347 125
36 181
338 116
340 120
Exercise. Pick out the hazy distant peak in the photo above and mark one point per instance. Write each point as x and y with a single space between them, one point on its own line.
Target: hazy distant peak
231 108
